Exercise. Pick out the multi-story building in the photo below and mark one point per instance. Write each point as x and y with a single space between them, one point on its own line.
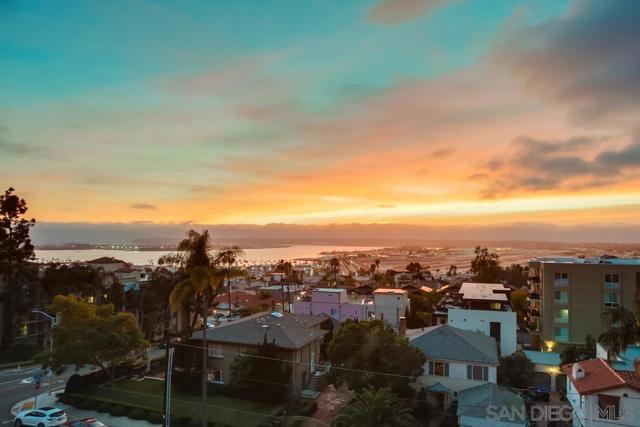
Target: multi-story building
484 308
568 296
388 305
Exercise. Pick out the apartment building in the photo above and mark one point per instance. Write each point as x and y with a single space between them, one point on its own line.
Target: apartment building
568 296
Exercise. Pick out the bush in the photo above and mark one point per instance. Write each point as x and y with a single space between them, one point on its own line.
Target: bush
137 414
103 407
118 411
154 417
303 408
86 404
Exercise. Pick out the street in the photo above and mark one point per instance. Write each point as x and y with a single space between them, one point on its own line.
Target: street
17 384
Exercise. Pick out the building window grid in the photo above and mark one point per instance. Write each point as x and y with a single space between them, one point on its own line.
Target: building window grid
215 351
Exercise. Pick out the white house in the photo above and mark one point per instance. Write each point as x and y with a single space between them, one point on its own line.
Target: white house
501 325
601 396
456 360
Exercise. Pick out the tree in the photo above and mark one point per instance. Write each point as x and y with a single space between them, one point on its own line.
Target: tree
414 267
334 263
154 301
520 303
225 260
262 371
90 334
371 354
485 266
577 353
516 370
422 308
375 407
16 250
203 280
515 275
623 332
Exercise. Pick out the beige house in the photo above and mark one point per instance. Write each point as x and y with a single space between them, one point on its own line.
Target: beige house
568 296
298 335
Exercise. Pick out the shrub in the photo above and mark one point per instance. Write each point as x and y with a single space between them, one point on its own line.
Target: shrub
118 411
154 417
86 404
137 414
104 407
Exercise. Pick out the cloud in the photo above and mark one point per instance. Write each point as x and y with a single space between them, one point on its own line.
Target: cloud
385 206
574 163
393 12
144 206
442 152
587 60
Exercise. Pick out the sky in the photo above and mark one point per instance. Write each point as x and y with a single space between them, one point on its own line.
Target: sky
432 112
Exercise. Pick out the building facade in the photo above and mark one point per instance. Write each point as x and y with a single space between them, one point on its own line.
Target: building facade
569 295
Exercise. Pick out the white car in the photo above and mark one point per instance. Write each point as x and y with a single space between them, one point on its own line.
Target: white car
46 416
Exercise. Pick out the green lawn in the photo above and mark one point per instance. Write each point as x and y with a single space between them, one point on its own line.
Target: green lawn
148 393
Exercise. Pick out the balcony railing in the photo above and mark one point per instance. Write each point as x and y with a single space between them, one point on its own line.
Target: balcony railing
561 282
611 285
534 296
561 319
561 338
533 312
561 301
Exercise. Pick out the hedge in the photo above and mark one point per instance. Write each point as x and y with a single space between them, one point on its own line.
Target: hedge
137 414
154 417
104 407
118 411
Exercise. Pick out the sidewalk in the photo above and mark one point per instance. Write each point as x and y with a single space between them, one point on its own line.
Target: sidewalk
44 399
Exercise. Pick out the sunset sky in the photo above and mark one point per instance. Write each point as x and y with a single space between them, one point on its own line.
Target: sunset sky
467 112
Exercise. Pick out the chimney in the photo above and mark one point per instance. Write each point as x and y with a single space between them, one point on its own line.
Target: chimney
402 328
577 371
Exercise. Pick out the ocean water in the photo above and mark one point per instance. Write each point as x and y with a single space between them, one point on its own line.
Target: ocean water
253 256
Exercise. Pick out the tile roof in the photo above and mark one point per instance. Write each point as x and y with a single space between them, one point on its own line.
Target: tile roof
599 376
446 342
291 331
473 402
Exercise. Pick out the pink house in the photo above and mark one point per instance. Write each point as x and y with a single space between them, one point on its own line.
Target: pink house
333 302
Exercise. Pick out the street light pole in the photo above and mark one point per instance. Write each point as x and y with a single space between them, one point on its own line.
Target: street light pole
52 319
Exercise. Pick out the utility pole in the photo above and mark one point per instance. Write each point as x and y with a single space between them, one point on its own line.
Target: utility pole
204 357
53 323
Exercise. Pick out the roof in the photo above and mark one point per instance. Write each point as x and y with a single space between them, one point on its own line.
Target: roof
291 331
106 260
548 358
329 290
605 259
473 402
599 376
426 289
390 291
446 342
483 291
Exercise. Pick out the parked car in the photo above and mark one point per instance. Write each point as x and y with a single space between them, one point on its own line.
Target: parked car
87 422
46 416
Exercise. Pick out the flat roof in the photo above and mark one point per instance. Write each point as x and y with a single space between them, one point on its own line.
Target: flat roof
390 291
329 290
597 260
484 291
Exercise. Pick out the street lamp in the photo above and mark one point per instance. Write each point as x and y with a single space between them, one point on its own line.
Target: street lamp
52 319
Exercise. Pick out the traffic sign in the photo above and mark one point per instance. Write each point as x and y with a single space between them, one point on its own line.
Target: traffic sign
37 377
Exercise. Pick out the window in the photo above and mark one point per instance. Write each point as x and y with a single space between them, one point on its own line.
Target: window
334 312
561 334
480 373
215 376
215 350
561 297
561 279
611 299
495 306
562 315
440 369
608 407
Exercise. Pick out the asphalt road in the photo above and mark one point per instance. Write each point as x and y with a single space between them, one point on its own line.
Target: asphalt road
17 385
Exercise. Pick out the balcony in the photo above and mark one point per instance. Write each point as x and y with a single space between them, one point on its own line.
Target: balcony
561 338
561 282
611 285
534 296
561 319
561 301
532 312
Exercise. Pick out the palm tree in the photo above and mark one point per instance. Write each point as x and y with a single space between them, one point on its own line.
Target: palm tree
225 260
202 279
375 407
335 265
623 332
286 268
